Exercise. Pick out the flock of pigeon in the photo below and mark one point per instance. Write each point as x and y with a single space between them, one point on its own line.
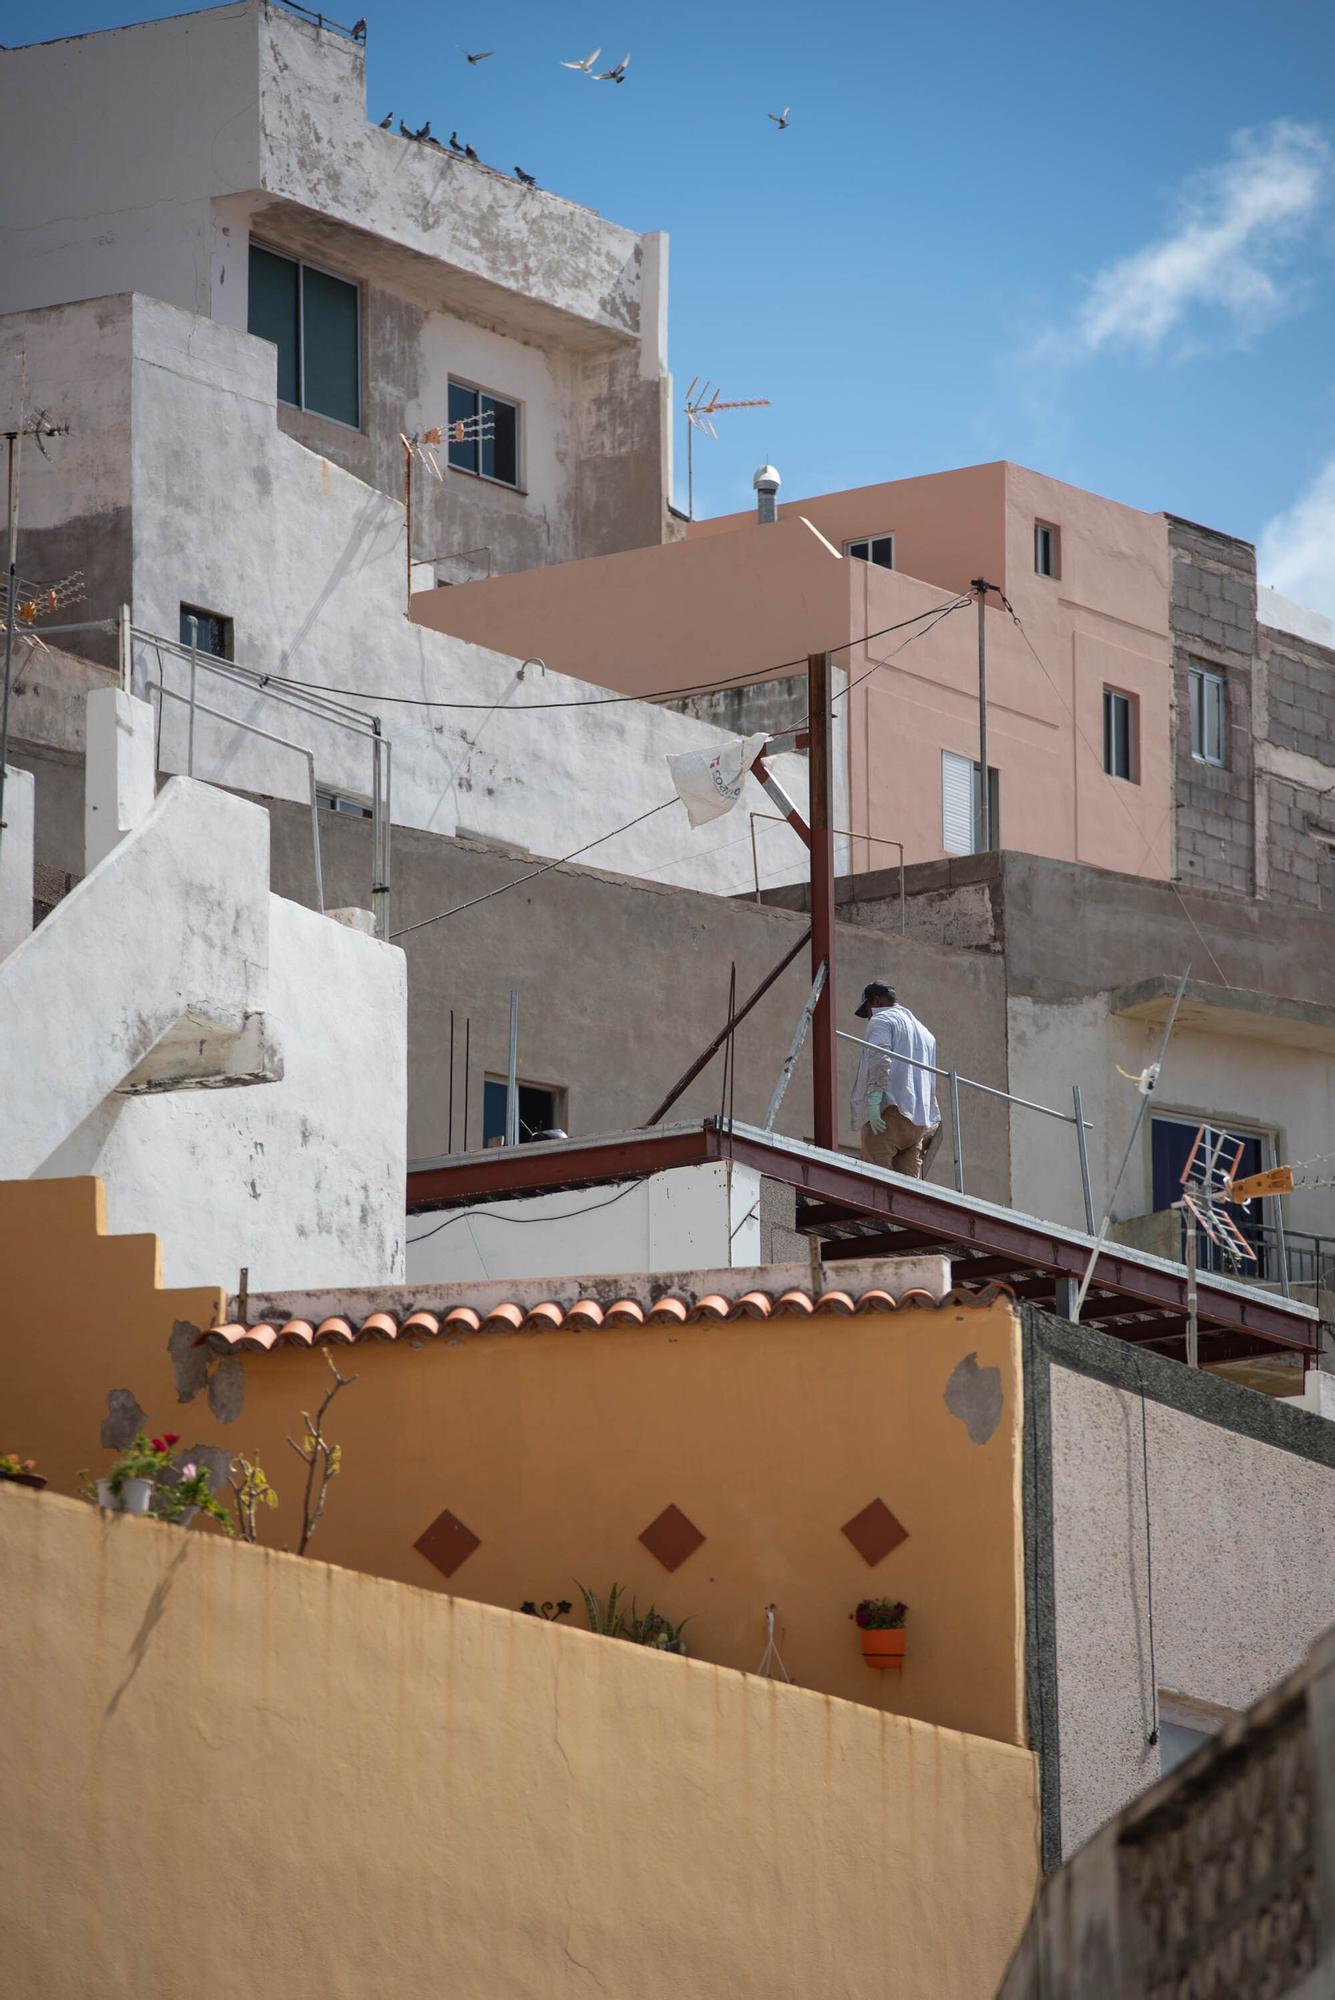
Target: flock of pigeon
617 74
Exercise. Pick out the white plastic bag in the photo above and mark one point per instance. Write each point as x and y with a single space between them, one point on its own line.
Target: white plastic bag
710 782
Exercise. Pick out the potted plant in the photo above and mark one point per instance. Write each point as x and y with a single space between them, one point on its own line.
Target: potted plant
20 1471
880 1621
189 1495
128 1487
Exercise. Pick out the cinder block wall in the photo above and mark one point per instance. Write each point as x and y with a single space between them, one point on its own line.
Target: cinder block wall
1214 626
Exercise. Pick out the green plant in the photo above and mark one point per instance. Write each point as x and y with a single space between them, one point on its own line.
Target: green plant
608 1619
14 1467
144 1459
191 1489
250 1492
613 1621
880 1614
323 1460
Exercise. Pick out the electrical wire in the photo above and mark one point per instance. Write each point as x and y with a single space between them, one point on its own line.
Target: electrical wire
609 700
533 873
495 1215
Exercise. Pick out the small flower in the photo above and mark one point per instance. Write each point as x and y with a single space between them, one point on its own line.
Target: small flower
189 1472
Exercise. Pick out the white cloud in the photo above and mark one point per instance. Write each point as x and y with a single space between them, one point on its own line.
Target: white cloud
1296 552
1231 248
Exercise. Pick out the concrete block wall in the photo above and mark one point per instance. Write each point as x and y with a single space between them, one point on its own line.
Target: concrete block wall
1213 610
1298 679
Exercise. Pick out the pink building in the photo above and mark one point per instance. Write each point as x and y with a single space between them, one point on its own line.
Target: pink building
1080 692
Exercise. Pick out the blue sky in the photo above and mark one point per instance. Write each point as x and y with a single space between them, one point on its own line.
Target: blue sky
1100 241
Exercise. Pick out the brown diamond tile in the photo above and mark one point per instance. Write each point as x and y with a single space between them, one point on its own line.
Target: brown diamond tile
875 1531
671 1537
447 1543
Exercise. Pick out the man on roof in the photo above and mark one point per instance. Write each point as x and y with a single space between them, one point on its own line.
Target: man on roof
894 1094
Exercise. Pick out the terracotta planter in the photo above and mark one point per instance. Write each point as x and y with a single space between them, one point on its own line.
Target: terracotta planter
34 1479
884 1648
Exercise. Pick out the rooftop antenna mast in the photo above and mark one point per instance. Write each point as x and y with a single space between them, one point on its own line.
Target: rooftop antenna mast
420 448
700 414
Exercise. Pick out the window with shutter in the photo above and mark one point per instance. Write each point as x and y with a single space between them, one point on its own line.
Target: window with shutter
958 803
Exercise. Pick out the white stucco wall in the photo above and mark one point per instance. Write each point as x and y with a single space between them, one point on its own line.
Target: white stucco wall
690 1218
1213 1078
16 850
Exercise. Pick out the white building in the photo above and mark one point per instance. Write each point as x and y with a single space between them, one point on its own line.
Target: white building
241 295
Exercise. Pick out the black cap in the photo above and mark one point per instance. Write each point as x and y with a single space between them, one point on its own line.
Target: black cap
878 994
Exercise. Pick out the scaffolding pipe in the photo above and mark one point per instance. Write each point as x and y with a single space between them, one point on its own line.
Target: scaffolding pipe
511 1078
706 1057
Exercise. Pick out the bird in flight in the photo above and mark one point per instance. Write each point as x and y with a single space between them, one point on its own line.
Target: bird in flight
527 179
455 146
780 117
481 55
385 123
617 74
586 65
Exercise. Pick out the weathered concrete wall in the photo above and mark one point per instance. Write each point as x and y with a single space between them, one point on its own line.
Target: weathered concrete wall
1241 1535
1295 698
1214 626
622 983
540 1811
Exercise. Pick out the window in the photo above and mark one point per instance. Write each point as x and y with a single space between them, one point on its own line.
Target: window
878 549
1207 716
213 632
540 1110
494 454
333 801
1119 735
1184 1726
312 319
959 804
1047 549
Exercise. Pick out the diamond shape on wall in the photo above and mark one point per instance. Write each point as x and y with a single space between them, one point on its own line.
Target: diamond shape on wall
874 1532
671 1537
447 1543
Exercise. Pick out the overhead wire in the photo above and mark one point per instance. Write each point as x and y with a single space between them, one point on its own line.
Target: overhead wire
608 700
496 1215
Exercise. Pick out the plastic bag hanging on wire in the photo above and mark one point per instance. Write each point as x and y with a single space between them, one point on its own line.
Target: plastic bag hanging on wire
710 782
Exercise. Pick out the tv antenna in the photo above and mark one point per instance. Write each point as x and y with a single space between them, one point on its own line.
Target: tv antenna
420 449
700 415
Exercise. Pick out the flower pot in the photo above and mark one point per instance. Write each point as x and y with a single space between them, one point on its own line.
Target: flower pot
106 1498
186 1516
135 1496
884 1648
34 1479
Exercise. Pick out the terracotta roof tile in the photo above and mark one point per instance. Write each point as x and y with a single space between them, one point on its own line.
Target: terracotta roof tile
583 1315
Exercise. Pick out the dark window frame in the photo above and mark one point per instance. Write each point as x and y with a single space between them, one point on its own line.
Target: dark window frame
220 619
1113 698
1052 549
301 265
554 1093
1199 680
478 391
854 549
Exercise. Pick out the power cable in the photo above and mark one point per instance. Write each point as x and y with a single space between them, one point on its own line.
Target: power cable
533 873
603 701
495 1215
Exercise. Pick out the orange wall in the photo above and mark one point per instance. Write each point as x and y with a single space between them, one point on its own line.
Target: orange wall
736 598
558 1449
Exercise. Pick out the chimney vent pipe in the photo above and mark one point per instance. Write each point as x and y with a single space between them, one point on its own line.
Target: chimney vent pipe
767 483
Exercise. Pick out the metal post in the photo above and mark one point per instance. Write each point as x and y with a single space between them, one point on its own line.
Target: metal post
1084 1156
955 1130
824 1052
124 648
408 526
468 1047
984 800
13 440
511 1084
193 623
449 1144
1193 1323
1281 1243
315 826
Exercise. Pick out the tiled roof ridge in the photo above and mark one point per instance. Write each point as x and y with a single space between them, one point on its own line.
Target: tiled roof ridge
584 1316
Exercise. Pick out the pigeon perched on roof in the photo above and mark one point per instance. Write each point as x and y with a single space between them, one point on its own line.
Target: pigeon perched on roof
586 65
469 154
617 73
527 179
780 117
385 123
455 146
358 30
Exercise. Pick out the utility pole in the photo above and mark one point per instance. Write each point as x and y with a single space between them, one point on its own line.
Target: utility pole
824 1067
12 439
982 587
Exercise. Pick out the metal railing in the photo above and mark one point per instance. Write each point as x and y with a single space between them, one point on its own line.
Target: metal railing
955 1082
323 21
840 833
137 645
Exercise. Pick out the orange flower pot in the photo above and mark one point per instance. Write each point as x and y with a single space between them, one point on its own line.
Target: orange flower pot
884 1649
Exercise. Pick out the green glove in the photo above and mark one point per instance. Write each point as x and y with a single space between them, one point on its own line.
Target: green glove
874 1118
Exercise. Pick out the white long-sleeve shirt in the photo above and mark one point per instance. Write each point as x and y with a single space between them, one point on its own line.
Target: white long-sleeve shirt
910 1089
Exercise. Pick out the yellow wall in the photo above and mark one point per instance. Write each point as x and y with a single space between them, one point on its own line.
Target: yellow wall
231 1772
558 1449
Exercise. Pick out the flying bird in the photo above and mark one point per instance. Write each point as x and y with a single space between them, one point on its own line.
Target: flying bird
455 147
385 123
780 118
527 179
481 55
586 65
617 74
469 154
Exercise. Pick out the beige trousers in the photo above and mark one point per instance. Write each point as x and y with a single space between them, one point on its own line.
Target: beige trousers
899 1146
